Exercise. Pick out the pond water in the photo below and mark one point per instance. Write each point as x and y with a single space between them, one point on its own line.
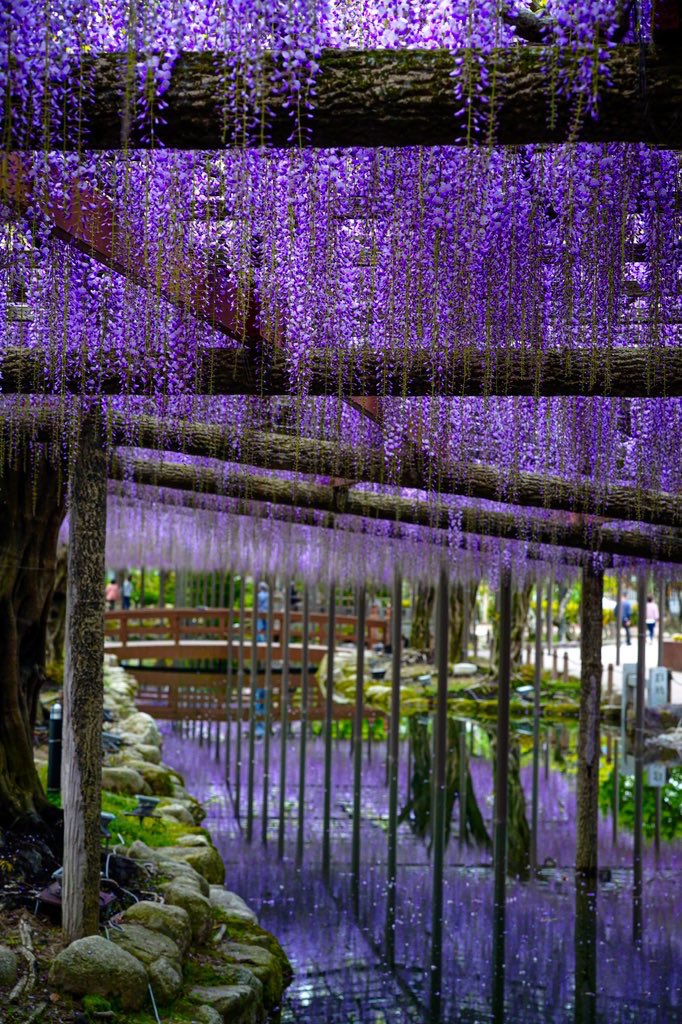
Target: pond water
339 957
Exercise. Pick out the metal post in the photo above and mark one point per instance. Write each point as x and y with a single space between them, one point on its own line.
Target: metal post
228 686
501 799
394 753
268 709
360 603
305 701
463 775
284 721
329 711
616 793
550 624
657 822
537 682
252 714
661 611
442 622
240 696
54 750
619 615
637 924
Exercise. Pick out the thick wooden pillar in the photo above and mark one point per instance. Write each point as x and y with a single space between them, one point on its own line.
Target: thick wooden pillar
360 605
587 797
83 693
588 727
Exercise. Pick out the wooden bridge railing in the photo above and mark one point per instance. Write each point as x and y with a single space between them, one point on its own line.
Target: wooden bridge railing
182 624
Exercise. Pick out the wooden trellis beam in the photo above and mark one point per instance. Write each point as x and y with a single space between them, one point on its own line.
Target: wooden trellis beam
637 372
371 505
278 451
382 98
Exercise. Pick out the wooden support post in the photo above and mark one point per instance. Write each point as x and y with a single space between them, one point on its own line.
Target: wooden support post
638 846
587 800
501 800
268 710
564 675
438 847
550 624
465 621
228 685
537 682
555 665
284 723
609 682
83 690
393 759
329 711
305 702
587 796
360 603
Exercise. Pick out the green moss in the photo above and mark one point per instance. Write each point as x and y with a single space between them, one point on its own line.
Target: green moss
253 935
96 1004
152 831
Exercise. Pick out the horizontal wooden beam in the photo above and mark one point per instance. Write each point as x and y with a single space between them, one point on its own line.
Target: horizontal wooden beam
391 508
278 451
637 372
375 98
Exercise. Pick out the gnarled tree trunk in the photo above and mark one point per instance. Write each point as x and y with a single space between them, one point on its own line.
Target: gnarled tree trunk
519 612
420 630
31 513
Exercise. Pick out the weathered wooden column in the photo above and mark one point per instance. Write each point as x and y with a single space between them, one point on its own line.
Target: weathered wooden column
83 686
638 847
501 799
393 759
360 603
441 743
587 796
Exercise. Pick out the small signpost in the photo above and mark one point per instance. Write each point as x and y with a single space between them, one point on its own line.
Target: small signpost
656 775
658 687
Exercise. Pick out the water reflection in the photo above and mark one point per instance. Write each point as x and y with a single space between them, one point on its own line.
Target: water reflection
569 950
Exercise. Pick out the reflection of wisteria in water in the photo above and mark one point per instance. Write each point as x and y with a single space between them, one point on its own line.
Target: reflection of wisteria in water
339 977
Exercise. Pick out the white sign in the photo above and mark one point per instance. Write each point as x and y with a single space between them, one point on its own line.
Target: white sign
656 775
657 687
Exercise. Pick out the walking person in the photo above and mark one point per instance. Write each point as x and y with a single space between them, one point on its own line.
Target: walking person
127 591
112 593
626 619
652 617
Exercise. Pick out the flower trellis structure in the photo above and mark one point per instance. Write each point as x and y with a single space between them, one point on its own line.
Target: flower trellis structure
442 237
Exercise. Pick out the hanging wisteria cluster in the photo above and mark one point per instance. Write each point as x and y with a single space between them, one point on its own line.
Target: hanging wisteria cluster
127 270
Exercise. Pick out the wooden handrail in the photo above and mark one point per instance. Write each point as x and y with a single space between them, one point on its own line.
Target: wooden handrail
177 624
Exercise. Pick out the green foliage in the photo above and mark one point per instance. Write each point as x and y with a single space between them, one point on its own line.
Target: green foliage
671 803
